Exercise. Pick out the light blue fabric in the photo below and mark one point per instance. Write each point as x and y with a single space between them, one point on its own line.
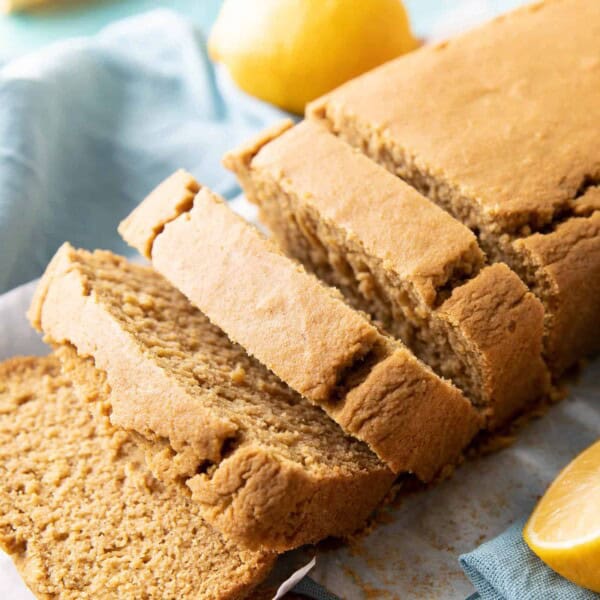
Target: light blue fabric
25 31
506 569
89 126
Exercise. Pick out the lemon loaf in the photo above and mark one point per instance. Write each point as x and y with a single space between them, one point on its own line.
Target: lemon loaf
266 467
500 127
82 517
399 257
303 331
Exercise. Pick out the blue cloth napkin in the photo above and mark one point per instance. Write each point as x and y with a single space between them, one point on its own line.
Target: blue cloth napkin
89 126
506 569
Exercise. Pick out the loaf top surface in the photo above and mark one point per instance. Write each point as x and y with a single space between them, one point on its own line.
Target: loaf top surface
507 114
81 516
415 238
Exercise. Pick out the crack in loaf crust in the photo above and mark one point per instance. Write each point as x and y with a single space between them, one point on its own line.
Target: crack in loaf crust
304 332
400 258
81 516
266 468
504 141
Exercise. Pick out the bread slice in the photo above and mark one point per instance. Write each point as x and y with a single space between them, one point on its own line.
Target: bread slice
81 516
505 141
266 467
376 389
399 257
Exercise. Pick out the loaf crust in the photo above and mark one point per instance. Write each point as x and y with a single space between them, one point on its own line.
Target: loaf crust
309 337
82 517
266 467
563 268
402 259
506 142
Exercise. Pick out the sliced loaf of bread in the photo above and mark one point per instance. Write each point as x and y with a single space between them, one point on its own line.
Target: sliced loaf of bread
266 467
374 387
402 259
507 143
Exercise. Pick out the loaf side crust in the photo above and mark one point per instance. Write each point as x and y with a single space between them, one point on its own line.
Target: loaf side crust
149 219
496 315
563 268
416 421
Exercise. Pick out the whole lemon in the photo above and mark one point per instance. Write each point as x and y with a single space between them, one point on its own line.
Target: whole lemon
289 52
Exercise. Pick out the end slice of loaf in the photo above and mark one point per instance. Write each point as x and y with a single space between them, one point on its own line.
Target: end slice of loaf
478 124
376 389
82 517
266 467
402 259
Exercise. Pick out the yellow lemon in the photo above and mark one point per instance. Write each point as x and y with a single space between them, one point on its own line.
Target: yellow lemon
289 52
564 529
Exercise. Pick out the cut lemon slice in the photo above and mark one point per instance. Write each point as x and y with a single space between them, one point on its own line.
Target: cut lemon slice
564 529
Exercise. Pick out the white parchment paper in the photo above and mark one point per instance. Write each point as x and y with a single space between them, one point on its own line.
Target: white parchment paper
414 554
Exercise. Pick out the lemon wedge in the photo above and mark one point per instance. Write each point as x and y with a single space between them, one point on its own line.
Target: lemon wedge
564 529
289 52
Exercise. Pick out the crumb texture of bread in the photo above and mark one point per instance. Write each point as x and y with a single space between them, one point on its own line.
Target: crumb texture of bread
418 275
522 167
82 517
308 336
268 468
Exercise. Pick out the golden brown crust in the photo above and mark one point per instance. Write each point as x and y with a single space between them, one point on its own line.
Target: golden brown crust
201 406
307 335
566 263
244 154
150 218
504 322
482 113
484 132
80 515
416 419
